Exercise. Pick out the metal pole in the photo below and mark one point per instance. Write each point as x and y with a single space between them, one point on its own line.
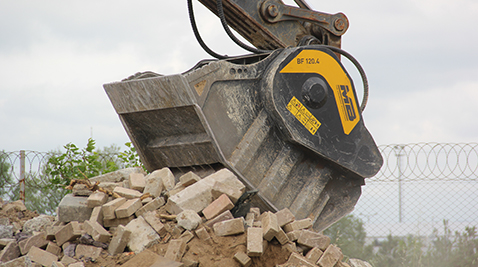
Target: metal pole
22 176
399 164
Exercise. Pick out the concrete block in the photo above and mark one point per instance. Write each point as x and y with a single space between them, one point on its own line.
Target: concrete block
314 254
188 219
53 248
119 241
50 232
73 208
175 250
217 207
177 231
284 217
109 185
167 177
69 232
153 205
188 179
9 252
227 215
137 181
198 195
153 220
229 227
298 225
270 227
359 263
202 233
127 193
256 211
67 260
96 199
128 208
142 235
87 251
331 256
23 261
186 236
312 239
118 221
96 231
110 207
38 240
116 176
233 191
57 264
81 190
243 259
97 215
254 242
146 200
41 256
282 237
295 259
294 235
154 184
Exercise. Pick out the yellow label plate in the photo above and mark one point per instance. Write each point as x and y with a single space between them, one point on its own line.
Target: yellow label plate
315 61
303 115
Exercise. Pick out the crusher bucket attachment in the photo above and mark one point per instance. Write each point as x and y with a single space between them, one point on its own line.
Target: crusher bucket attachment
286 123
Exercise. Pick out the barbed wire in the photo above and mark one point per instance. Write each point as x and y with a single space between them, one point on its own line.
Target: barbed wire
428 161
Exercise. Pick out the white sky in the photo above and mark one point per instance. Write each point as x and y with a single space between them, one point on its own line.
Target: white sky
420 57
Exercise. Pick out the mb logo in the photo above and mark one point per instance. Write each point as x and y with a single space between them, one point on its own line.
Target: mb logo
347 103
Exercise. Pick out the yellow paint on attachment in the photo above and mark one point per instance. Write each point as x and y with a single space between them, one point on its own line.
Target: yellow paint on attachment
315 61
301 113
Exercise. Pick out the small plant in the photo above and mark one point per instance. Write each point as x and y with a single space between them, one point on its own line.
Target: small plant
130 157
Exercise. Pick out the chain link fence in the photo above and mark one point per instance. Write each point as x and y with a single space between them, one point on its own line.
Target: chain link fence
418 187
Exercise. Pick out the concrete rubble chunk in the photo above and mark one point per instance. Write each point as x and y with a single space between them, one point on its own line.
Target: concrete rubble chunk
57 264
67 260
15 205
270 227
142 235
153 184
186 236
117 221
23 261
284 217
153 205
109 185
282 237
38 240
314 254
227 215
188 179
175 250
149 258
53 248
167 178
96 231
312 239
41 256
128 208
229 227
295 260
81 190
331 256
230 188
127 193
119 240
87 251
153 220
359 263
188 219
294 235
116 176
9 252
69 232
110 207
77 264
298 225
38 223
202 233
198 195
137 181
217 207
254 244
97 215
243 259
73 208
96 199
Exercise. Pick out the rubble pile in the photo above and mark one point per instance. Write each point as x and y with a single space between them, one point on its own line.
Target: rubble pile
128 218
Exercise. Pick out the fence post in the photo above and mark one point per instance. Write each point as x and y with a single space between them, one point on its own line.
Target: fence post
22 176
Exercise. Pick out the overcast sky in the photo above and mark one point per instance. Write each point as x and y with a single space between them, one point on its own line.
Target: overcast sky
420 56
